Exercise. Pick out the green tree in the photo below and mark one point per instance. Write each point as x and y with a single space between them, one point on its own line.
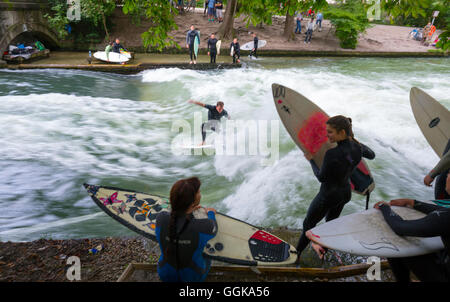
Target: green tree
350 19
261 11
57 17
162 18
97 11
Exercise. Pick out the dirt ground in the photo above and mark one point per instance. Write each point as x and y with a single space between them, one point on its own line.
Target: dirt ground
47 260
378 38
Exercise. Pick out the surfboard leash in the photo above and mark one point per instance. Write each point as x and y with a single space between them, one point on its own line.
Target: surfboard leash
367 200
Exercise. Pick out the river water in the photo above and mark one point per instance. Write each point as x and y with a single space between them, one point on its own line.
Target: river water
60 129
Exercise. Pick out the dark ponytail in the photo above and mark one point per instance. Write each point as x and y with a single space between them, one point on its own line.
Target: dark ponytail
182 196
340 122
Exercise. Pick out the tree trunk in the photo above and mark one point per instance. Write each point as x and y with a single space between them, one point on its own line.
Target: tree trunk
288 32
225 30
104 25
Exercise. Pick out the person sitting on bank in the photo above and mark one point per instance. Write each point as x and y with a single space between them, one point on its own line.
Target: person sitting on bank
108 49
117 47
182 237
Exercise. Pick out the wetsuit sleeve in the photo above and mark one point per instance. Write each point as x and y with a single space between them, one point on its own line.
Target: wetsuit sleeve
443 164
198 36
207 226
367 152
426 208
208 44
209 107
187 37
436 223
225 113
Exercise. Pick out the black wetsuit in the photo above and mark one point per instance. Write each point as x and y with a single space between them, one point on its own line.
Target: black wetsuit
213 119
236 52
186 263
255 46
335 190
212 49
190 39
430 267
439 187
117 46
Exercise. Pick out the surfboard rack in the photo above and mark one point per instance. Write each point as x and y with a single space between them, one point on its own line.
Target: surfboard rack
136 272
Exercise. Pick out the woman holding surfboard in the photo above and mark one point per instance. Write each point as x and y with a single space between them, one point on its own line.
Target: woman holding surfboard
334 175
182 237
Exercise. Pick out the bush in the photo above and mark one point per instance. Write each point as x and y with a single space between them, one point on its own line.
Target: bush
349 19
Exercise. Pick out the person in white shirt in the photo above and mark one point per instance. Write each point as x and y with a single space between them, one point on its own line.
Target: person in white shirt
309 31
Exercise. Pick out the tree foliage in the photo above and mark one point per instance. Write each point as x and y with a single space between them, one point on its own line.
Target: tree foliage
57 17
349 19
423 9
97 11
162 17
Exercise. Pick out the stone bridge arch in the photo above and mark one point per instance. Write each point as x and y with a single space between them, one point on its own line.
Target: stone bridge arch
20 19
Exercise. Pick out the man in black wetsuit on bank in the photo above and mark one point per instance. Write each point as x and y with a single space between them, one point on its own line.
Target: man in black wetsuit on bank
117 46
190 39
215 113
236 51
255 45
212 49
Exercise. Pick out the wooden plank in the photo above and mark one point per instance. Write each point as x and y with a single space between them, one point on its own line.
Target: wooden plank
329 273
127 273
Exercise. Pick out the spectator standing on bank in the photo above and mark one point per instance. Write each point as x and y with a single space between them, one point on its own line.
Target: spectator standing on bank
319 20
219 10
211 5
309 31
298 18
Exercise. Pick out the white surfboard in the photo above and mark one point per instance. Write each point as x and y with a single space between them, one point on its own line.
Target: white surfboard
249 45
305 122
433 119
232 51
236 241
113 57
367 234
218 44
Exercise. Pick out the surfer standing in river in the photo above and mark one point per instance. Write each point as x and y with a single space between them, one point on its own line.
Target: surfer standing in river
334 175
215 113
